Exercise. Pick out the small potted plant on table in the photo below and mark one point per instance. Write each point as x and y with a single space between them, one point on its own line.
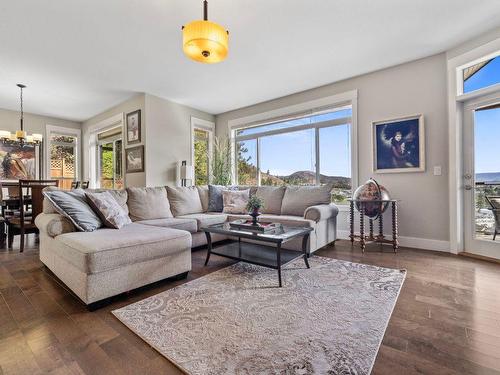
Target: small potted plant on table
253 206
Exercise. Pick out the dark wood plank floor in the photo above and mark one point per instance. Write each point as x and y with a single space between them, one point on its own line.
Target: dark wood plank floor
446 321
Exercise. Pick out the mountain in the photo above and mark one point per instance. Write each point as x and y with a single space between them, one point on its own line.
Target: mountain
309 177
488 177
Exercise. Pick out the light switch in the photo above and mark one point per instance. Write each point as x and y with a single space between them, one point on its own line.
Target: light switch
437 170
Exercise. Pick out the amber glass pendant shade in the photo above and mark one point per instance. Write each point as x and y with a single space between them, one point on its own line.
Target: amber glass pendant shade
205 41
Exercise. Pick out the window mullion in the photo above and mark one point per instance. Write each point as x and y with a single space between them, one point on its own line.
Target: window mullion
316 148
258 162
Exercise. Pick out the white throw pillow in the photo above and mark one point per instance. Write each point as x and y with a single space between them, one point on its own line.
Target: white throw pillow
235 201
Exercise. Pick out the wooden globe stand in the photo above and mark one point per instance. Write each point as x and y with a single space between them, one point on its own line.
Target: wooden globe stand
363 238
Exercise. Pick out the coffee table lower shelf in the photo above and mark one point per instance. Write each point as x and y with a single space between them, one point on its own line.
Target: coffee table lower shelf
260 255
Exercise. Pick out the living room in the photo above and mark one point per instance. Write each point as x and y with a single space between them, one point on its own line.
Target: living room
250 187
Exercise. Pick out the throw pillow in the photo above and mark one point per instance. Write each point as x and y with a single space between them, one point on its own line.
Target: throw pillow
298 198
147 203
235 202
184 200
272 197
108 209
215 202
73 205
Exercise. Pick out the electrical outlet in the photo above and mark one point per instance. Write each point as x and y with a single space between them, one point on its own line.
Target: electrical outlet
437 170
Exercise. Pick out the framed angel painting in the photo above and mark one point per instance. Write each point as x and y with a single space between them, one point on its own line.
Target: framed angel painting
399 145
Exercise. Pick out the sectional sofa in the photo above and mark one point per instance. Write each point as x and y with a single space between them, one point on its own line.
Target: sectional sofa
166 225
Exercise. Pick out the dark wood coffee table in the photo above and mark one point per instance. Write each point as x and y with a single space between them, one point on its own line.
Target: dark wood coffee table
261 254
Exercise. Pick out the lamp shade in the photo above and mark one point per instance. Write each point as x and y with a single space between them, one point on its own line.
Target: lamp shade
187 172
205 41
37 137
4 134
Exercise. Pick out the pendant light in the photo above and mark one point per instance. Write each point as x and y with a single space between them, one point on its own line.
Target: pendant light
205 41
20 136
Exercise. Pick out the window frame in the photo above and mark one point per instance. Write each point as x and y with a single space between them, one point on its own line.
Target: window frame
460 95
314 107
51 130
112 139
206 126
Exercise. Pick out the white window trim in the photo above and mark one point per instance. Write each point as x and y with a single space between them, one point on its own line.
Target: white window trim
456 100
90 141
339 100
62 130
209 126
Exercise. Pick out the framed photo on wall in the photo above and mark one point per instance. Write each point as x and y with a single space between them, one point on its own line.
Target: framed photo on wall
399 145
134 127
134 159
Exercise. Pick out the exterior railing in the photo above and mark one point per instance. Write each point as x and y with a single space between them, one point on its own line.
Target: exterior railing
485 221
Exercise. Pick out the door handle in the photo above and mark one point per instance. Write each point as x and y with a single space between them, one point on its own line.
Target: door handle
468 187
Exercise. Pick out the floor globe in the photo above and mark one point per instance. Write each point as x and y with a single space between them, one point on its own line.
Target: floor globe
371 190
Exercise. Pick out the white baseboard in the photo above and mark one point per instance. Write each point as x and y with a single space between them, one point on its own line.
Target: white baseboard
416 243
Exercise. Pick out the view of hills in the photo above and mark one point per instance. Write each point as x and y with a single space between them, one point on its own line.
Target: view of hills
308 177
488 177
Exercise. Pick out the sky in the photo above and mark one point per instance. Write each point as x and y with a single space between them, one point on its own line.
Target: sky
487 122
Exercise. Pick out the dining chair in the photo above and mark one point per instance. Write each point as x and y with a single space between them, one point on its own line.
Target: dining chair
75 184
25 223
494 202
84 184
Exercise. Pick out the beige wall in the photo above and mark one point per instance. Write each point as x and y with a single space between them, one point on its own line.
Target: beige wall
418 87
137 102
168 138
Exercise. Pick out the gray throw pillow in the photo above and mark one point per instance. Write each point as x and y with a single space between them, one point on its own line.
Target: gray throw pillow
215 201
73 205
108 209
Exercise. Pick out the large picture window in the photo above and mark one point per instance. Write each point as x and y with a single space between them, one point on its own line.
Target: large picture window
311 149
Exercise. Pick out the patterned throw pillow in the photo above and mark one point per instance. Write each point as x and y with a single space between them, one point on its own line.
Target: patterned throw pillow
108 209
235 202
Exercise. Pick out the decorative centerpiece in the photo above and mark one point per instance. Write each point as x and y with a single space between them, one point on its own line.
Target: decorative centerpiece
253 206
371 190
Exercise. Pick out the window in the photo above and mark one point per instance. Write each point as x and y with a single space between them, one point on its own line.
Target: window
110 159
62 155
311 149
481 75
202 138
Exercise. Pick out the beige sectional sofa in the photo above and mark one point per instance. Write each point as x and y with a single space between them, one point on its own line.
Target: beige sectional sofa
157 244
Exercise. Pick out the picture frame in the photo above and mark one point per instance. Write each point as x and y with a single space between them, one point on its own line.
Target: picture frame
133 127
19 162
399 145
134 159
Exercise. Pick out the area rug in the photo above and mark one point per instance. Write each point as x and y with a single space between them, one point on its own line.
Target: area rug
329 319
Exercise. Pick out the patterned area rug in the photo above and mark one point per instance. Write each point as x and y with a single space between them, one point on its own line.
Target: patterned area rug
329 319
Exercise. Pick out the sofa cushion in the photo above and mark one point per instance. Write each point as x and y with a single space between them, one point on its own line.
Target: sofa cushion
73 205
108 249
287 220
184 200
297 198
235 202
148 203
203 191
173 222
207 219
272 197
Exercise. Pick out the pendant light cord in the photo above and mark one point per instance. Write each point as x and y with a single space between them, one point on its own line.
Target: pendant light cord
22 111
205 10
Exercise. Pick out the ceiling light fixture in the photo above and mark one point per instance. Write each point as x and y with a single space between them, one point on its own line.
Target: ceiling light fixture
20 136
205 41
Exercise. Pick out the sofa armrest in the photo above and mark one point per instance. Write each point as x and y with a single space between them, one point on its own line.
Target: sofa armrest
54 224
321 212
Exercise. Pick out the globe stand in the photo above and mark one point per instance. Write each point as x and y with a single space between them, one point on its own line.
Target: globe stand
362 238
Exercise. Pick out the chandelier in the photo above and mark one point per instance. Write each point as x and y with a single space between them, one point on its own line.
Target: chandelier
205 41
20 136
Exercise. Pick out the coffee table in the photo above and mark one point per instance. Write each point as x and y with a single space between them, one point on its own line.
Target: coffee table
261 254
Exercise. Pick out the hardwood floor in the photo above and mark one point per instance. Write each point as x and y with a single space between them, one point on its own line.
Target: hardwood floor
446 321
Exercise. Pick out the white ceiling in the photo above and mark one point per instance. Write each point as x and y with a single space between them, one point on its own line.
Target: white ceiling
79 58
